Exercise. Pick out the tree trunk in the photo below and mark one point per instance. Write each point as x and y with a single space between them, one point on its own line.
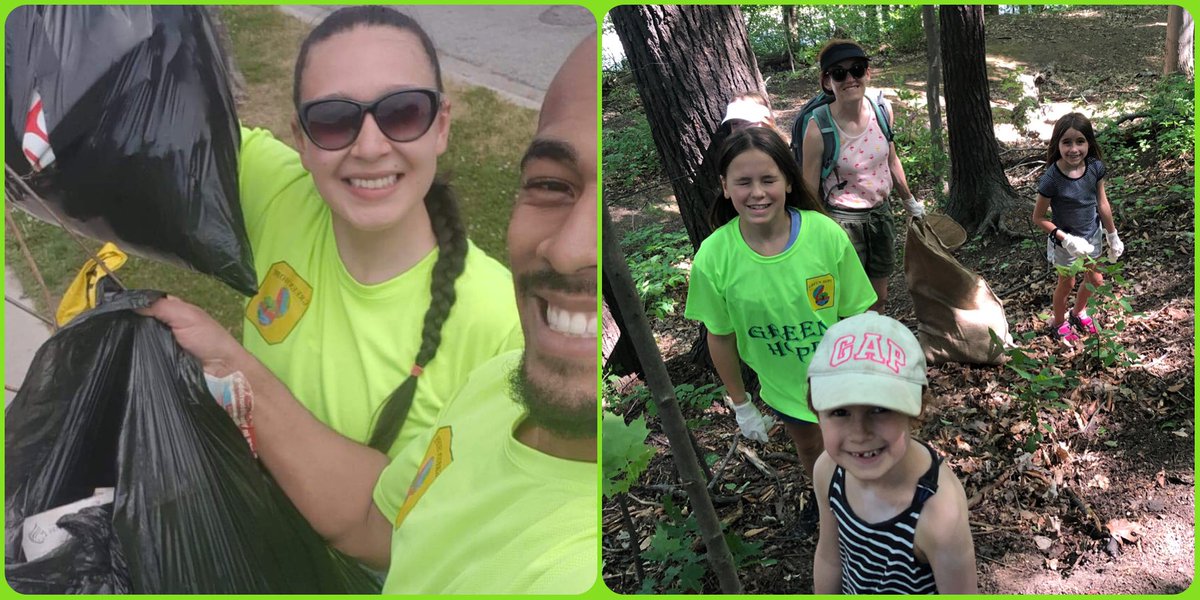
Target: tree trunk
1187 46
617 350
687 463
934 80
979 190
789 25
1171 54
688 62
1178 56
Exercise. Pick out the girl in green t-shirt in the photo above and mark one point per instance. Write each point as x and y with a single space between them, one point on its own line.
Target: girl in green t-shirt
775 273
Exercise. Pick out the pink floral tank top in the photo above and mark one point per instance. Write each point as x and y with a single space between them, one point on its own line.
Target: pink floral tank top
863 166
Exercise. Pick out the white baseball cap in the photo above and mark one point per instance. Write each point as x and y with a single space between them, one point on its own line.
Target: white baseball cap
747 110
868 359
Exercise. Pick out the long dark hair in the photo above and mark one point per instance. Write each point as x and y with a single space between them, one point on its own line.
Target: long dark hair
1079 123
345 19
766 140
441 204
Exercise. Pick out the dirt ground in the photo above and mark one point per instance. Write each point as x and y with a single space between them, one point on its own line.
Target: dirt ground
1106 503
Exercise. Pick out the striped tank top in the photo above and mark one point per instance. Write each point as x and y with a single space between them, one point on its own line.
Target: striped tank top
878 558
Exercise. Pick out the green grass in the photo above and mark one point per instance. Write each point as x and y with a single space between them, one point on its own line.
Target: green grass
487 139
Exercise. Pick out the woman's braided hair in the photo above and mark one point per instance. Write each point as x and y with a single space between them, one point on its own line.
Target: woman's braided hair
451 235
440 203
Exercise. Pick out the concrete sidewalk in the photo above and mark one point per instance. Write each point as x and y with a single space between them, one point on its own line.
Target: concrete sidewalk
23 335
512 50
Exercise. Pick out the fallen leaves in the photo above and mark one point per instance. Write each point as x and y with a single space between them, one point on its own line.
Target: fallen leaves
1124 531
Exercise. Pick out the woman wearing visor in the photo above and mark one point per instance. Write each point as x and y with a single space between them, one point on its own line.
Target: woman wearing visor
866 168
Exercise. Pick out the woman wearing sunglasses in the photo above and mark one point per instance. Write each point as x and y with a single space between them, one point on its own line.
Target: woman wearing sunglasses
373 306
866 168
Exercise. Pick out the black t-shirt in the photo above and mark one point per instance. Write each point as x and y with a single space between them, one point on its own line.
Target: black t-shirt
1073 201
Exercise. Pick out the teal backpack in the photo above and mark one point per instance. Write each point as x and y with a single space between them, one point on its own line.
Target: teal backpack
817 110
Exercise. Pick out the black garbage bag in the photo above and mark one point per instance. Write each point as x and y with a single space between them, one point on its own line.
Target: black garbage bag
122 119
112 401
89 563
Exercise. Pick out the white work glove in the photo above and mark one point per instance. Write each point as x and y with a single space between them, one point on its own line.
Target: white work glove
1115 247
1076 245
753 424
914 207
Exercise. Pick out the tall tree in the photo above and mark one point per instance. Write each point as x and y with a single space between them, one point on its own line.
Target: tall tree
933 54
1178 57
789 26
979 190
687 61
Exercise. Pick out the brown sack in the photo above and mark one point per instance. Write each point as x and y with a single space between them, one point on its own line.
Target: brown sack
955 307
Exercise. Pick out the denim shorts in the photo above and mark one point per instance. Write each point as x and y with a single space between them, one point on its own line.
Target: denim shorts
1059 257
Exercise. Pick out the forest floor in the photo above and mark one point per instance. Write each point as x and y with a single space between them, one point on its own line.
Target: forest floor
1105 503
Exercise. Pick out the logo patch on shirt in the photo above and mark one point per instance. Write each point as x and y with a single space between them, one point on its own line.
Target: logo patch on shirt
820 291
437 458
280 302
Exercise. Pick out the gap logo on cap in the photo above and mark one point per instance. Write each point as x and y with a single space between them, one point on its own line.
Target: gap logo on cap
869 347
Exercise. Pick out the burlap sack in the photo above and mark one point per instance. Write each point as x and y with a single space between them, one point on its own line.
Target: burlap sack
955 307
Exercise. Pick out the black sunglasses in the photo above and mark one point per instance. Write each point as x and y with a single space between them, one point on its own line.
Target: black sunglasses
403 116
839 74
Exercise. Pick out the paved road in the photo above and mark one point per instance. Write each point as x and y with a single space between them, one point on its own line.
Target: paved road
514 50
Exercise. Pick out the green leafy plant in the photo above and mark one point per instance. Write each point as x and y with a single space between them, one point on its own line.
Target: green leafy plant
626 453
924 164
1164 129
1111 311
629 153
654 258
683 569
1041 384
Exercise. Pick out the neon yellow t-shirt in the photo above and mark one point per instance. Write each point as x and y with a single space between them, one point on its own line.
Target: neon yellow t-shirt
340 346
484 513
779 306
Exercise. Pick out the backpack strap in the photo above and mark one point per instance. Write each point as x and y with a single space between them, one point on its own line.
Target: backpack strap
829 140
883 116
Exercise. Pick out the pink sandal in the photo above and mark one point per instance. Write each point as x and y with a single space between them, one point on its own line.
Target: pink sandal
1083 324
1064 332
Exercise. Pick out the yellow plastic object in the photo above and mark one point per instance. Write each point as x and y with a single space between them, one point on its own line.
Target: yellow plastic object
81 295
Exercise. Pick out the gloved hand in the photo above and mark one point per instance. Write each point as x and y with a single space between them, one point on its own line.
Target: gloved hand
914 207
1076 245
752 423
1115 247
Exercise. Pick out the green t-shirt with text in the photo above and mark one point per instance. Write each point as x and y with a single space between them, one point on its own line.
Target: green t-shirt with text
778 306
475 511
340 346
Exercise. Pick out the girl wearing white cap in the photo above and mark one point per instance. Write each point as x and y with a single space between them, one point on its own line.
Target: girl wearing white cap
893 516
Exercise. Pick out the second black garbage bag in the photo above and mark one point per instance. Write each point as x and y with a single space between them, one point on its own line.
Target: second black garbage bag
122 119
111 401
